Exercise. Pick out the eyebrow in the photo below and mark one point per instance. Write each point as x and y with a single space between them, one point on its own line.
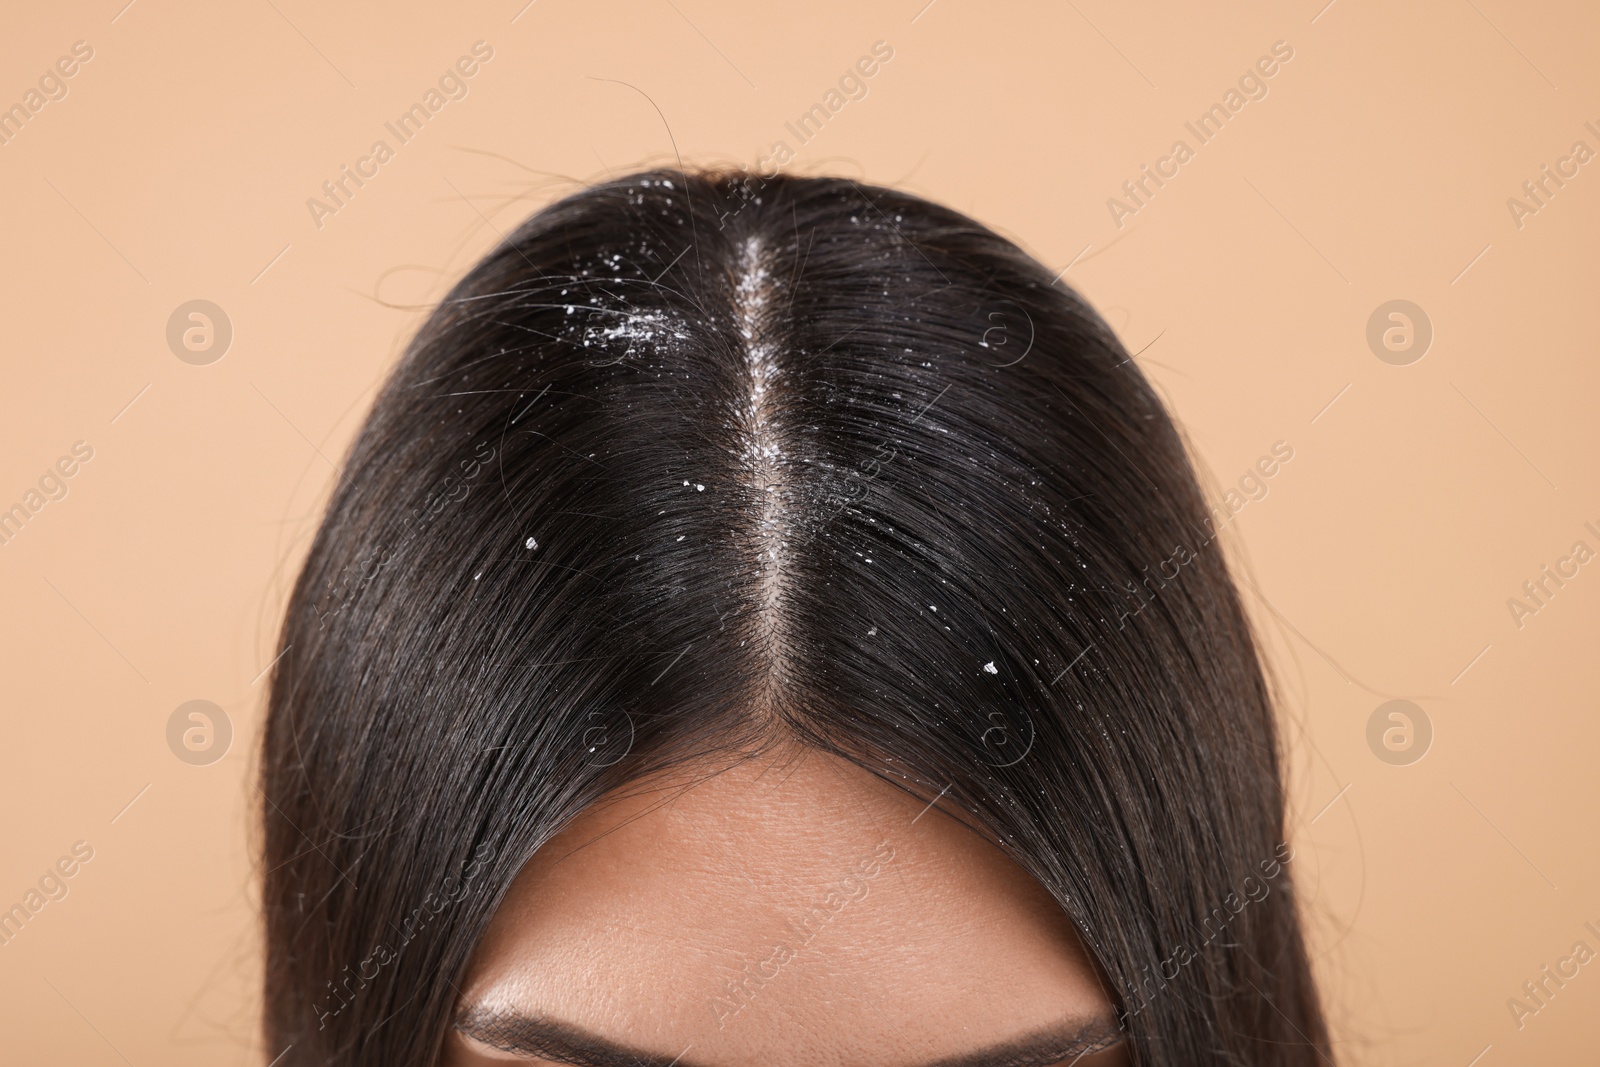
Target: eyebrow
535 1035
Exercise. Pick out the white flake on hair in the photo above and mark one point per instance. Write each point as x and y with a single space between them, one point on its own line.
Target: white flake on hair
636 329
761 455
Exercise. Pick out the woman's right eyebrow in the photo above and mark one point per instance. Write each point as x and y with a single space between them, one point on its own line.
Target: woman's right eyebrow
539 1036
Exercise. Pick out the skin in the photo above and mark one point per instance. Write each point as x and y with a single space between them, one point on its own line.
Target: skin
788 910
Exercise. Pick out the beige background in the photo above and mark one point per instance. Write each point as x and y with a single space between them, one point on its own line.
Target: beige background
1378 167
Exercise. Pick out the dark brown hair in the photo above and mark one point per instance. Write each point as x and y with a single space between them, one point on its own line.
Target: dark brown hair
691 462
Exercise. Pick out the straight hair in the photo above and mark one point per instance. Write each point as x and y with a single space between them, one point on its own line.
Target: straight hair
696 463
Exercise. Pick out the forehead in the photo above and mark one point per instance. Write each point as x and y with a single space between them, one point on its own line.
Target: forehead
789 909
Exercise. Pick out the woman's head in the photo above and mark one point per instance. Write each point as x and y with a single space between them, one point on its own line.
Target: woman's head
771 616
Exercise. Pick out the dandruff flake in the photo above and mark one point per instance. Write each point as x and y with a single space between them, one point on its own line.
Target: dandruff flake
761 452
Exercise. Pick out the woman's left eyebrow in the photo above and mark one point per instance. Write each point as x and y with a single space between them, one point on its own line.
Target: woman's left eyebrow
1064 1043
